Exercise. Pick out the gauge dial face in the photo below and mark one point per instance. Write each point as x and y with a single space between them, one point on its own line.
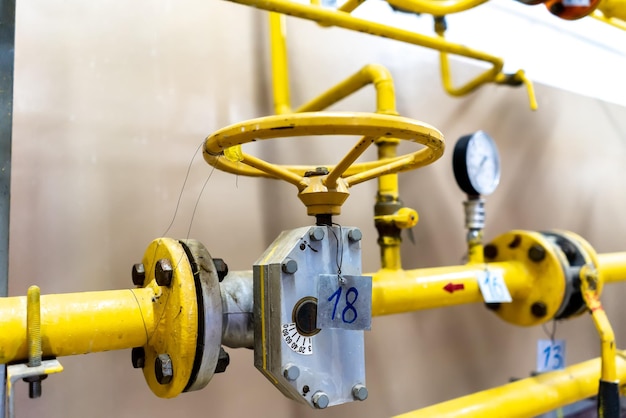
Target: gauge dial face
477 164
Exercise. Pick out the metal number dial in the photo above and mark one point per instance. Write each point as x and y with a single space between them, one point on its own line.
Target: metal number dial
476 164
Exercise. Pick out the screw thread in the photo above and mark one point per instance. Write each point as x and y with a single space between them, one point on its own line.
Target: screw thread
33 321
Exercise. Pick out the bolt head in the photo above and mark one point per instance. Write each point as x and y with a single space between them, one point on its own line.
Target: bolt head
290 266
139 274
320 400
317 234
539 309
291 372
355 235
222 361
536 253
163 369
221 267
490 251
138 357
360 392
163 272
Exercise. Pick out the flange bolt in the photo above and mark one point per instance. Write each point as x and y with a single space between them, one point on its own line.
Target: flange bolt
163 369
163 272
139 274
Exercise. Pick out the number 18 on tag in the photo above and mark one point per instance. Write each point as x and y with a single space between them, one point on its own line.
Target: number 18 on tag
550 355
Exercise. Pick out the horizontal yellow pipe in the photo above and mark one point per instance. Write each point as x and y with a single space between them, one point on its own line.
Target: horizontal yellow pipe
78 323
398 291
527 397
612 267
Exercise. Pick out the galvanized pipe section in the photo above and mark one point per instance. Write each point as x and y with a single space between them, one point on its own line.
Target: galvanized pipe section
79 323
237 308
7 52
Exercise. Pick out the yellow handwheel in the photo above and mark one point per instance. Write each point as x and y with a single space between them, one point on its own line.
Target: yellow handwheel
323 191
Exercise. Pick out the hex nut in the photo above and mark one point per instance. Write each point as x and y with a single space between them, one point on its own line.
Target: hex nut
163 369
536 253
291 372
139 274
221 267
138 357
317 234
320 400
223 361
355 235
289 266
163 272
359 392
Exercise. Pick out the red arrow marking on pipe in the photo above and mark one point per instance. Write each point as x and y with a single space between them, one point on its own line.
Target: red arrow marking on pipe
451 287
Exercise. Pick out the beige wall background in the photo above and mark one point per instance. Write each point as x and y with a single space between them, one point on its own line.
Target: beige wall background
112 99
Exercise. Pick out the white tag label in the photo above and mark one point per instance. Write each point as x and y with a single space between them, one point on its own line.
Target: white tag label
493 287
550 355
344 302
576 3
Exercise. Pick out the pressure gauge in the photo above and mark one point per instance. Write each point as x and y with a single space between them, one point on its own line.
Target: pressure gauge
476 164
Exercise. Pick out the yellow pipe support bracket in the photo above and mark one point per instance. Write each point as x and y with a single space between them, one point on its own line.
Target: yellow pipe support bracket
527 397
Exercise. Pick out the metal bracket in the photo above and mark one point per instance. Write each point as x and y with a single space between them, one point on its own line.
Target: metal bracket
16 372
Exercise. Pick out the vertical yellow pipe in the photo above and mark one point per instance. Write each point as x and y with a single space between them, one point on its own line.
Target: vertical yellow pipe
280 64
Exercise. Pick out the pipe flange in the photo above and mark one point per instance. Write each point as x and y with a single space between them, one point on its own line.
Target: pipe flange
578 253
542 298
210 317
188 315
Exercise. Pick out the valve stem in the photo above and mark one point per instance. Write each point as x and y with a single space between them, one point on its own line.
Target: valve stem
475 224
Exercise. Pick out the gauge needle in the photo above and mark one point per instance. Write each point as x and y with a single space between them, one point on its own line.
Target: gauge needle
482 161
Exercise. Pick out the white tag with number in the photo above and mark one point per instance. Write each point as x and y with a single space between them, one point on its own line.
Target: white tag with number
550 355
344 302
493 287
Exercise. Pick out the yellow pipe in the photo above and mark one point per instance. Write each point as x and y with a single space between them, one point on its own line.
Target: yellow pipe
613 9
620 24
374 74
280 64
399 291
612 267
350 5
78 323
589 290
345 20
527 397
436 8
